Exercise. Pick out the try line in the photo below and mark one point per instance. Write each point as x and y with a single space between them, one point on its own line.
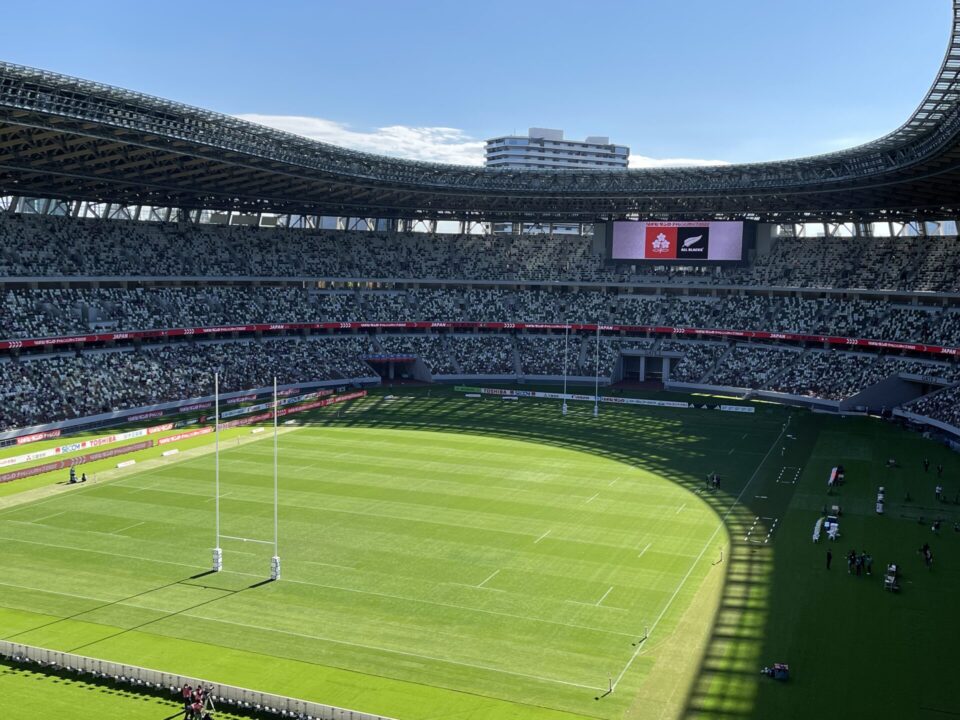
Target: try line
683 581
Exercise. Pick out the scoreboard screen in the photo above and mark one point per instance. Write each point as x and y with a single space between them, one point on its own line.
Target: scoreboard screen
691 241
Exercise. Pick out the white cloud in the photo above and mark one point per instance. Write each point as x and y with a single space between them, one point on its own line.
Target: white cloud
433 144
642 161
844 143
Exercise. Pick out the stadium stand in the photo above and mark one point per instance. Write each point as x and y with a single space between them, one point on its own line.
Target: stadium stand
65 386
943 406
544 355
695 361
29 313
430 348
122 276
49 247
484 355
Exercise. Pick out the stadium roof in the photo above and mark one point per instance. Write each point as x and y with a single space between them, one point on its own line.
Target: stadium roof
71 139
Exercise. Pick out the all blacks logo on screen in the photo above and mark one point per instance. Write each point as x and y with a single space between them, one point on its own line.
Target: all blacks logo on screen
693 243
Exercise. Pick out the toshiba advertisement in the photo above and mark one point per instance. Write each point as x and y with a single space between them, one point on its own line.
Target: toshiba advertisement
678 242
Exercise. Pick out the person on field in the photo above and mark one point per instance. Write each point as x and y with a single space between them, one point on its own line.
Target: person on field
926 464
938 493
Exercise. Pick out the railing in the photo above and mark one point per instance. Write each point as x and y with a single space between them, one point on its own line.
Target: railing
228 695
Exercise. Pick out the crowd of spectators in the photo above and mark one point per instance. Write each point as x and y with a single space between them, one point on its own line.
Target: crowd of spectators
544 355
41 246
430 348
943 406
68 385
65 385
44 312
484 354
893 263
696 359
828 374
246 275
753 366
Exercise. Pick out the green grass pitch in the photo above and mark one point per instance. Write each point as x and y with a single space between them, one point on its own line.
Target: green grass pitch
446 557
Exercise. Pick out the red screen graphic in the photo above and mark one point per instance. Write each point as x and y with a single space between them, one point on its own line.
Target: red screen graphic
661 243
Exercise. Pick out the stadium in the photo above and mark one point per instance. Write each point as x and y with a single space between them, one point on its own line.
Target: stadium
338 435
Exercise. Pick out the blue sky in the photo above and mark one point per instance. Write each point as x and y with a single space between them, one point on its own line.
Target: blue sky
705 80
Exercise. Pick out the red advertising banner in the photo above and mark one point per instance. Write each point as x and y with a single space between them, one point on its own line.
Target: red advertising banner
184 435
35 437
290 411
145 416
69 462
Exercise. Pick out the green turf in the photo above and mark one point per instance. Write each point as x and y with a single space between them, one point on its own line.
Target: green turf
460 558
28 694
94 469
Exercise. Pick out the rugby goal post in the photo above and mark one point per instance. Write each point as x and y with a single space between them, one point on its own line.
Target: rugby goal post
217 559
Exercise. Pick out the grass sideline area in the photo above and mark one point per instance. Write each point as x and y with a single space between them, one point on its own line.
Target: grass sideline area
29 694
584 531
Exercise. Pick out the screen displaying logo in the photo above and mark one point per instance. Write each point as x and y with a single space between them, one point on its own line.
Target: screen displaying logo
661 243
683 241
693 243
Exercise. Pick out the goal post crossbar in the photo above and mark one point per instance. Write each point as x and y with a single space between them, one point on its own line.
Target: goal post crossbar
253 540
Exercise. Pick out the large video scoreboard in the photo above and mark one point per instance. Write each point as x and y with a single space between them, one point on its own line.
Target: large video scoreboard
692 241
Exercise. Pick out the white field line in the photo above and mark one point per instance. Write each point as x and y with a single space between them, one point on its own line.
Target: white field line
211 499
492 576
85 532
129 527
604 595
56 592
680 508
542 537
119 602
592 498
145 488
595 605
706 545
388 596
396 652
613 482
730 452
103 552
333 565
645 549
403 518
387 516
458 607
48 517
